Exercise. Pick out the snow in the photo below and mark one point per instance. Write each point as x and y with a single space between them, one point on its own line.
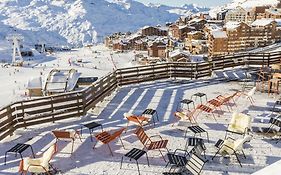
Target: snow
34 83
78 22
219 34
164 97
231 25
262 22
178 52
96 61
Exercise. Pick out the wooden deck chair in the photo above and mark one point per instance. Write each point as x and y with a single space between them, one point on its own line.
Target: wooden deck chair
186 115
149 144
137 120
231 146
225 99
106 138
38 165
67 135
207 109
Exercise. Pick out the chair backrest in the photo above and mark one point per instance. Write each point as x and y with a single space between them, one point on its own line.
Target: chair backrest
198 149
48 155
117 133
142 135
62 134
241 120
252 91
195 164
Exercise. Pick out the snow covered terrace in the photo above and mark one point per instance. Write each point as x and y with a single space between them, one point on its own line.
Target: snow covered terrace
162 95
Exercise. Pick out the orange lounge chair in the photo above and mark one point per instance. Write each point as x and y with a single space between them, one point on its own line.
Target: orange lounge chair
67 135
149 144
186 115
207 109
138 120
106 138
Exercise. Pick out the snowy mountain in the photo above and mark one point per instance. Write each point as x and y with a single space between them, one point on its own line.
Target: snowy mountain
78 22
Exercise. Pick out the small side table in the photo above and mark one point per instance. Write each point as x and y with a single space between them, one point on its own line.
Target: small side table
200 95
185 102
198 130
91 126
135 154
19 148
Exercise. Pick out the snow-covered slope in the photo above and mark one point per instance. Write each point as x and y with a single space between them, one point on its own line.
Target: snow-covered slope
78 21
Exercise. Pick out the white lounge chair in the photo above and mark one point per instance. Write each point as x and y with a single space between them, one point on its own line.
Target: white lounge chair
38 165
231 146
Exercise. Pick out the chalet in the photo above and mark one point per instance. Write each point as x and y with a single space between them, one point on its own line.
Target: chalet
154 31
179 32
218 43
179 56
140 45
196 46
121 45
157 49
198 23
221 15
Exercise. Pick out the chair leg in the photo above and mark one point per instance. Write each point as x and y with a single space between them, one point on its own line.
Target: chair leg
122 142
138 167
32 151
110 149
162 155
216 153
121 162
237 159
147 159
72 146
5 158
244 154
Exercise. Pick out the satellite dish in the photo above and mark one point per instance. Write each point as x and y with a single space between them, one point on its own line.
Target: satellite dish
16 39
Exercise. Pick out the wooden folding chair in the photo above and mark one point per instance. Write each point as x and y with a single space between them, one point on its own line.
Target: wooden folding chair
149 144
106 138
67 135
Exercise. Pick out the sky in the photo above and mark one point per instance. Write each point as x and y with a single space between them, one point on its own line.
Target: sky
206 3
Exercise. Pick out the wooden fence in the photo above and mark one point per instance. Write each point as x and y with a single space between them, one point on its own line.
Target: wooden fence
74 104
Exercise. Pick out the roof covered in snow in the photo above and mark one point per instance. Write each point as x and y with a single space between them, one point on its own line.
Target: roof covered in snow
262 22
179 52
232 25
219 34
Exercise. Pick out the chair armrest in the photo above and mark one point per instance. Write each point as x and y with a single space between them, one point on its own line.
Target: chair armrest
230 138
185 151
228 147
156 136
234 132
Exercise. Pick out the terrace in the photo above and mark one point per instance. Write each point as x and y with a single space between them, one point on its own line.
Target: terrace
159 87
162 95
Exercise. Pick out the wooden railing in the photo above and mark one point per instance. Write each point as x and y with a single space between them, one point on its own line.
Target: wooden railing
74 104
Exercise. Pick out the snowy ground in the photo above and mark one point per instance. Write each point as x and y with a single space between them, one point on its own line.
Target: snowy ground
164 97
97 62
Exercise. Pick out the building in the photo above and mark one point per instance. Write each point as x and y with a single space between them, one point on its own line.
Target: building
258 12
273 13
198 23
179 56
121 45
157 49
221 15
153 31
239 36
218 43
239 15
179 32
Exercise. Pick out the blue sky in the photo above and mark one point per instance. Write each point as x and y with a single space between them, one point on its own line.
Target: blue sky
206 3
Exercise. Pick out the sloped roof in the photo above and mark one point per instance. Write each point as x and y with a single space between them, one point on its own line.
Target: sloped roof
219 34
262 22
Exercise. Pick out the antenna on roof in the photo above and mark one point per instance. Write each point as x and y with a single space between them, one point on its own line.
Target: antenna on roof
16 39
